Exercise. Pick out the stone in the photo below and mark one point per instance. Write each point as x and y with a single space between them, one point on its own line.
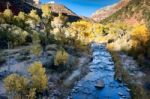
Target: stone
128 89
100 84
120 93
119 79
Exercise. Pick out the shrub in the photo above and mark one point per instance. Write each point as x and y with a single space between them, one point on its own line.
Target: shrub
61 57
15 85
39 79
140 34
36 50
19 87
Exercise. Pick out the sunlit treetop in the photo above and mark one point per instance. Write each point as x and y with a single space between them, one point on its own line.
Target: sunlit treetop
8 13
46 10
21 15
33 14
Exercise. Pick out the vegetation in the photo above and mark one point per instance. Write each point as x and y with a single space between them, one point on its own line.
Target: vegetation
16 85
20 87
39 31
36 50
61 57
137 91
39 79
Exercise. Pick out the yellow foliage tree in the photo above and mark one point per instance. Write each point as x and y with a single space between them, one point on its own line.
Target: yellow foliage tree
46 10
8 15
21 16
81 30
33 18
140 34
38 77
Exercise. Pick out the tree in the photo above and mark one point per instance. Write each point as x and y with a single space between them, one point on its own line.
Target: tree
20 20
58 28
46 10
59 21
47 18
140 34
33 18
8 15
22 16
39 79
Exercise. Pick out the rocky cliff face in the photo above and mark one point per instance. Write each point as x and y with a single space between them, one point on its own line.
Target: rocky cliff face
109 10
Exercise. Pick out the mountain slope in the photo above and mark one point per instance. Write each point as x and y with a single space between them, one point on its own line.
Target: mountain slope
58 8
136 11
108 10
19 5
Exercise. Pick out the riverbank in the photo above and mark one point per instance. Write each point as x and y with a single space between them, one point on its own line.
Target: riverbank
128 71
20 59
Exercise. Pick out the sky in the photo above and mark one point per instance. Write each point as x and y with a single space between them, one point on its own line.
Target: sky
83 7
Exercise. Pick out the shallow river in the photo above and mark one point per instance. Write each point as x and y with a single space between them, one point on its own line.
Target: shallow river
101 68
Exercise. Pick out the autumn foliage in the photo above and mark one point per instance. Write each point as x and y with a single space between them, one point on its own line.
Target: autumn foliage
20 87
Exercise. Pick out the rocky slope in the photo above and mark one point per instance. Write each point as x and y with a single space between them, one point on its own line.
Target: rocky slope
109 10
58 8
18 5
136 11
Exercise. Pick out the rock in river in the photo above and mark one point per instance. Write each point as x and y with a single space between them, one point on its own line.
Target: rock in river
100 84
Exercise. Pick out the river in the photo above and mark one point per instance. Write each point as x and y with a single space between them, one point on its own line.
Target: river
101 69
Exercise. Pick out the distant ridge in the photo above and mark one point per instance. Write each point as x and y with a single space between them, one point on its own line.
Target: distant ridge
59 8
108 10
136 11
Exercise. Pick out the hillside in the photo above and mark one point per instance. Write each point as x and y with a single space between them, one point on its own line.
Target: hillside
108 10
58 8
18 5
136 11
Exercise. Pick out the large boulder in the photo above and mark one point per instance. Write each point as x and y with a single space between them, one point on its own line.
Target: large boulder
100 84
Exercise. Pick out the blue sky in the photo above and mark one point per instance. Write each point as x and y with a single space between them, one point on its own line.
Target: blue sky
83 7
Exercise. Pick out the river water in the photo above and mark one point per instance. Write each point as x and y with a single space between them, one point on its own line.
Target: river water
101 68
